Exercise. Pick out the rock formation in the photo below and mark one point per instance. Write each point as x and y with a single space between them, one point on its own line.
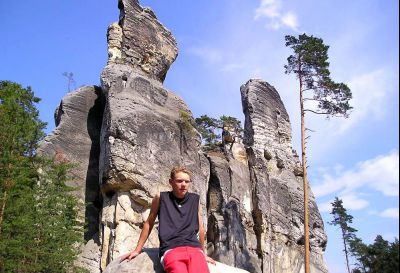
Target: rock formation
144 131
126 136
276 181
76 140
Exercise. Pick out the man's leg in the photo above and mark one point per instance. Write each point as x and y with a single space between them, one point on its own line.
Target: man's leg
176 261
197 261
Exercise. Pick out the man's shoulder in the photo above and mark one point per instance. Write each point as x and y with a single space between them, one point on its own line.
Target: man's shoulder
193 195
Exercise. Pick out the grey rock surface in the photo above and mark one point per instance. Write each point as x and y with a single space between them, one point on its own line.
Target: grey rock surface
277 196
76 140
143 137
143 42
146 130
230 235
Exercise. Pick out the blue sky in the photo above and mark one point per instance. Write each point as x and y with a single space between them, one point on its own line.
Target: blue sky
224 43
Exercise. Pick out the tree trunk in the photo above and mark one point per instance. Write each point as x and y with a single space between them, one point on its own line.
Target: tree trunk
3 207
345 252
305 185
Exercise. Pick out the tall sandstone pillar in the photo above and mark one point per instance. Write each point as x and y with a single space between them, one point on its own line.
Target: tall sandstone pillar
146 129
276 179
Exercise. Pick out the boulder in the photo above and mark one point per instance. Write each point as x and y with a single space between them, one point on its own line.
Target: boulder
148 262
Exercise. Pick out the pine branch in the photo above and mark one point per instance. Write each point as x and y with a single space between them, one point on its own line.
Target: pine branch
316 112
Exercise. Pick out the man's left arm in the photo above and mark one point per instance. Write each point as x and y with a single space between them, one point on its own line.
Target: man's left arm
202 236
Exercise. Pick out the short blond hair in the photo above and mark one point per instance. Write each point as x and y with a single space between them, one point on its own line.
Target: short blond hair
180 169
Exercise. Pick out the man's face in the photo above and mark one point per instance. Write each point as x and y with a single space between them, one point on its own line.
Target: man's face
180 184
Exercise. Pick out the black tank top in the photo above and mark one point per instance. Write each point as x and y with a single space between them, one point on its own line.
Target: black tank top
178 221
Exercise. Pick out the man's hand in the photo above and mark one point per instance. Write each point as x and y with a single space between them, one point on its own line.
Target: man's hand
129 256
210 260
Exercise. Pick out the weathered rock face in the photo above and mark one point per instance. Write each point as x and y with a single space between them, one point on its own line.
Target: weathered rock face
146 131
77 140
143 137
277 185
230 235
125 137
141 41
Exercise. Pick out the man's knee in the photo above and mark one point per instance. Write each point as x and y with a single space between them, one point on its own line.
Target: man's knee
198 263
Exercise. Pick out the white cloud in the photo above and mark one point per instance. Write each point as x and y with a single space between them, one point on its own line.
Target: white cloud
290 19
325 207
380 174
353 202
272 9
268 8
350 201
390 213
371 92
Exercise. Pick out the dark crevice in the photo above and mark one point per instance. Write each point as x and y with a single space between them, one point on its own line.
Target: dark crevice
93 198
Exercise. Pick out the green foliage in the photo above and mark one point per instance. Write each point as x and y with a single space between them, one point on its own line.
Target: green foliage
231 123
342 219
38 225
215 132
379 257
187 122
310 64
208 129
20 132
359 251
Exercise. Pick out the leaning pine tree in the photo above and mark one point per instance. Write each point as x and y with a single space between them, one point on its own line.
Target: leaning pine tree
342 219
310 64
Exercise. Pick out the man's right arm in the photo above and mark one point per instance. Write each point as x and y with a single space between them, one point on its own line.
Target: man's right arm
147 227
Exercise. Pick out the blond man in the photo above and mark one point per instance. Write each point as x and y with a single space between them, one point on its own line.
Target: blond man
181 232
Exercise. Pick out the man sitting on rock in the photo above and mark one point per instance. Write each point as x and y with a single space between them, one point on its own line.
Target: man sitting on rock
181 232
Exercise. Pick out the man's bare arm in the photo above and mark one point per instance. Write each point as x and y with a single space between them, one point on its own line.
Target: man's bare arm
202 235
147 227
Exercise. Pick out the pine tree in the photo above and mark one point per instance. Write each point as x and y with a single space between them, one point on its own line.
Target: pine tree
359 251
342 219
207 127
39 229
20 132
310 64
56 218
231 130
215 131
380 257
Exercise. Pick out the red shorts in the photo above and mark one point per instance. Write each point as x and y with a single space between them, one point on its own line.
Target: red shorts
185 259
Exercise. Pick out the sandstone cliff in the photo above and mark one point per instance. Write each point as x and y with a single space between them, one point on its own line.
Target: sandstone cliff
125 136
